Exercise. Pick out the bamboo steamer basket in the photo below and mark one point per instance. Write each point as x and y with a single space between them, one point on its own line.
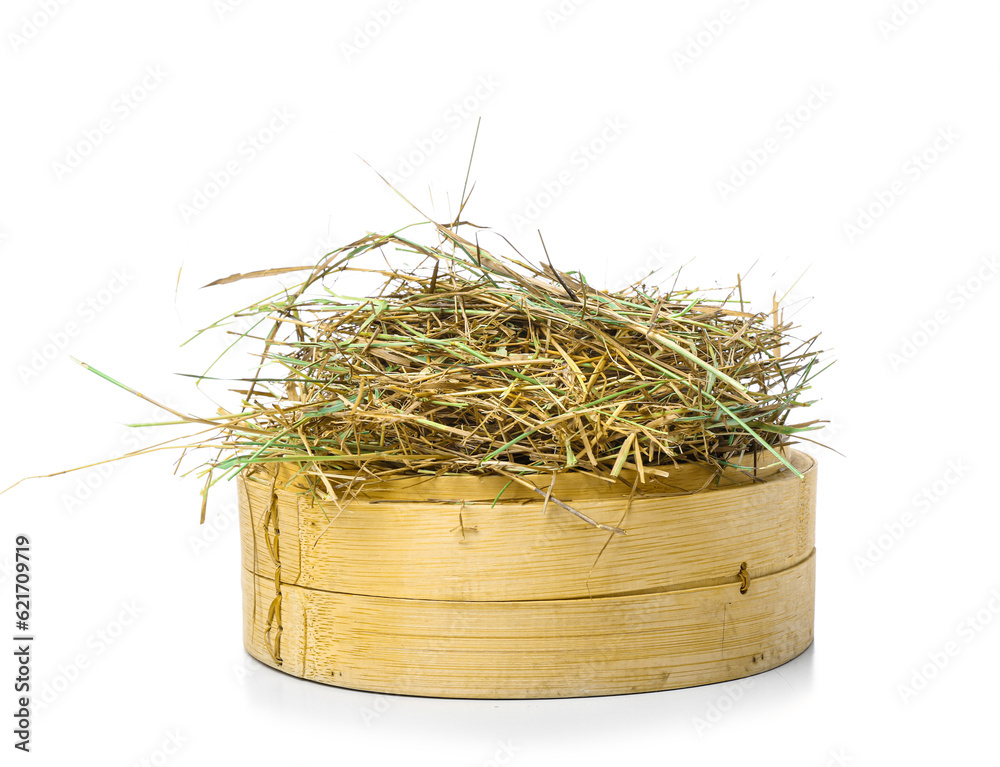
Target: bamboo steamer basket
432 586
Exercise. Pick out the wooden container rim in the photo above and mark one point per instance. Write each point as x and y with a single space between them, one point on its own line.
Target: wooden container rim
683 479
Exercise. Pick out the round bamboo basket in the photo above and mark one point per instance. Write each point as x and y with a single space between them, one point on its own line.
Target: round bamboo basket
434 586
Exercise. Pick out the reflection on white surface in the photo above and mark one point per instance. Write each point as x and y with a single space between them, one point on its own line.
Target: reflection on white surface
698 710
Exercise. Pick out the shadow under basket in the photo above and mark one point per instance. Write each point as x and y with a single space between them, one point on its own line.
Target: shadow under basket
434 586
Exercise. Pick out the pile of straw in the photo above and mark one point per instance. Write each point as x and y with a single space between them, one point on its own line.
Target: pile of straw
471 362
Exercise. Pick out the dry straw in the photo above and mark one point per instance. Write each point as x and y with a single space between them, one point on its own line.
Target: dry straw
473 362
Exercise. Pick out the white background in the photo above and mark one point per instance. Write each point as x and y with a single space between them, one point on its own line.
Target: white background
696 89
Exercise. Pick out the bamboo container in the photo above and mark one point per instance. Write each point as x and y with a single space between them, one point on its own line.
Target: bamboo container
432 586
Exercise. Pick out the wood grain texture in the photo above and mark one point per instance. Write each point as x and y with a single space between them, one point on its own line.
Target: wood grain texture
392 593
474 551
537 649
